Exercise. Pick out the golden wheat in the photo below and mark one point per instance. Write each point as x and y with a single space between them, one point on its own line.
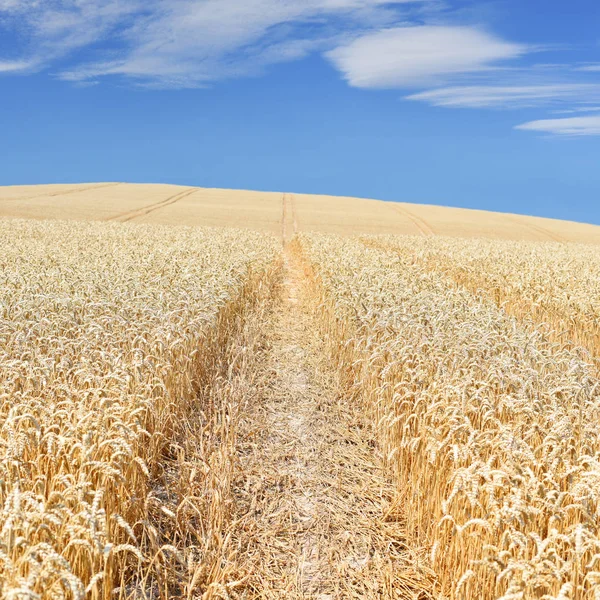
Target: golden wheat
492 430
544 283
109 336
126 357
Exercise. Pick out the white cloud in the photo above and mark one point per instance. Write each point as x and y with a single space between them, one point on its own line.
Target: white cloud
589 68
517 96
419 55
572 126
466 67
15 66
580 109
51 29
191 43
188 42
7 6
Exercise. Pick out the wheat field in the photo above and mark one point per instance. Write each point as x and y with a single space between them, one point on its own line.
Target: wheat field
490 427
236 395
110 335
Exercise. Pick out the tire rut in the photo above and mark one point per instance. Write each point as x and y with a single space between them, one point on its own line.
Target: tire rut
418 222
538 229
289 223
142 212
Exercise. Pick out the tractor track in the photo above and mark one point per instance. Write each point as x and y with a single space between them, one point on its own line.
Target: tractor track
320 518
419 223
538 229
141 212
289 223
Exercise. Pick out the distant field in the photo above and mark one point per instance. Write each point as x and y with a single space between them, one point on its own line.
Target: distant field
275 212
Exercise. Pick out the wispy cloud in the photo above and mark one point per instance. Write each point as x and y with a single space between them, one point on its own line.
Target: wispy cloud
590 68
189 42
48 30
578 110
468 67
412 56
572 126
524 96
374 44
16 66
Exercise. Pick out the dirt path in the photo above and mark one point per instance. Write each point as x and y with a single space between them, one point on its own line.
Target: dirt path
284 217
294 215
320 519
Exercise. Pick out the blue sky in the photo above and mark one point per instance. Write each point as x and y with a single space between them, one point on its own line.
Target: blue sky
492 105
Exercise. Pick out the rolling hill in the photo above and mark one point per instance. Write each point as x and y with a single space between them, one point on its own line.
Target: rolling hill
276 212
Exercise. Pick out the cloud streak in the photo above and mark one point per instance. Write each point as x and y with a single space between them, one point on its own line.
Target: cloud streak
49 30
572 126
15 66
469 68
515 96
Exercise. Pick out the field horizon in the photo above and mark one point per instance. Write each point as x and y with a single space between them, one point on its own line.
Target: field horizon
170 204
